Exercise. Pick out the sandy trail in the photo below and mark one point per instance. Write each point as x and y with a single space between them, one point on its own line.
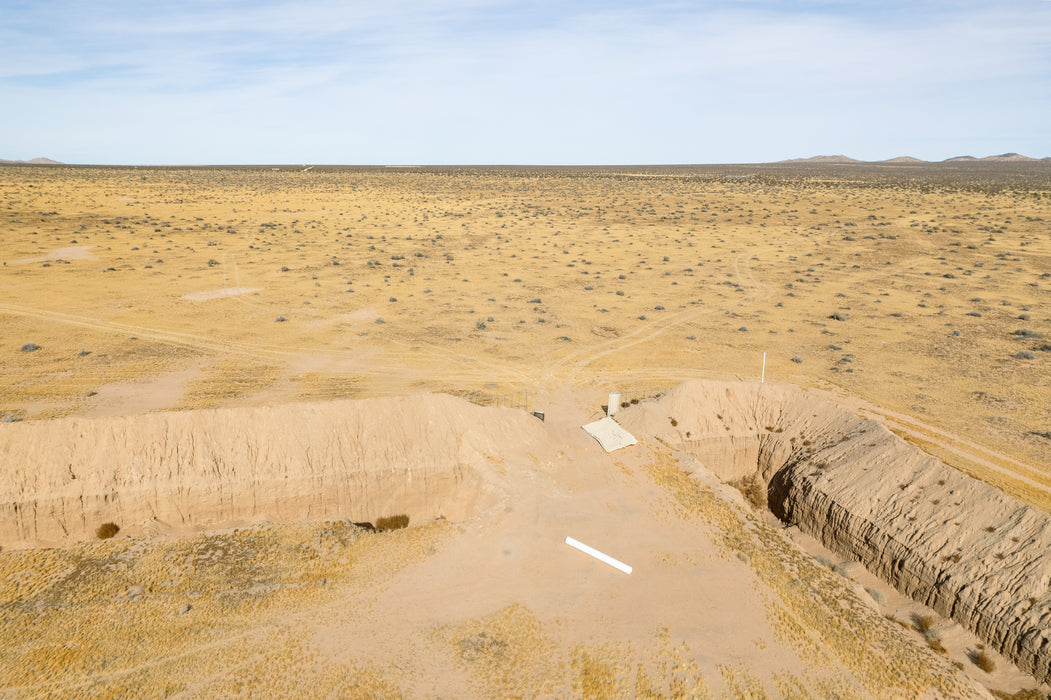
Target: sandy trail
220 293
1034 477
77 252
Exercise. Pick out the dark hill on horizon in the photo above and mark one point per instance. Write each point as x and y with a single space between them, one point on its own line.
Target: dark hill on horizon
905 160
34 161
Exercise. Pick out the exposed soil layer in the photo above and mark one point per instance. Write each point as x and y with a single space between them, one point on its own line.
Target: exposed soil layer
949 541
720 603
957 545
197 470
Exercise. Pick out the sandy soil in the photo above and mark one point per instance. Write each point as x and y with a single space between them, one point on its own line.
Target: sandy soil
919 296
719 603
220 293
939 274
76 252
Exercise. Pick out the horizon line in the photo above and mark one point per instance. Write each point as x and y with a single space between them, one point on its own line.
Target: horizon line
837 159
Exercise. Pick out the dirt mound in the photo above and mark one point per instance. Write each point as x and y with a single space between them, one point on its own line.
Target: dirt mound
718 603
960 546
423 457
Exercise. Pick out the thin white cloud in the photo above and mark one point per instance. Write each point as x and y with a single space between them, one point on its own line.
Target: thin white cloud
544 82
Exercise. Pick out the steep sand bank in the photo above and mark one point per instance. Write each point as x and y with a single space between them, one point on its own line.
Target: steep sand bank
424 457
959 546
719 603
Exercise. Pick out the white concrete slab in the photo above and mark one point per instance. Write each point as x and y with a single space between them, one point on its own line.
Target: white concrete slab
609 434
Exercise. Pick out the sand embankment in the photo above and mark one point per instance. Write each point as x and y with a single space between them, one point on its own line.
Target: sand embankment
962 547
424 457
957 545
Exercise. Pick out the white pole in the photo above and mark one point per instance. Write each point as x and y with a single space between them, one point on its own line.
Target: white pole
763 379
605 558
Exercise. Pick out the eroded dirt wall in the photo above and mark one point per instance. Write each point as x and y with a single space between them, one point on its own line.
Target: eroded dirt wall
424 457
958 545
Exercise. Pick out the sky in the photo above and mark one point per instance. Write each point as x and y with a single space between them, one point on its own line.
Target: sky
154 82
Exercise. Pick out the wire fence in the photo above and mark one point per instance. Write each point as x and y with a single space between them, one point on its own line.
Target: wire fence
520 399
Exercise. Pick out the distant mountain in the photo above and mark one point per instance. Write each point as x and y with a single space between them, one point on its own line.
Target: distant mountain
34 161
1002 158
902 159
823 159
909 160
1010 157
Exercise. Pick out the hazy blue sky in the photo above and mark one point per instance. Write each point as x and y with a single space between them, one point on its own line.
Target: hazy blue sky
532 81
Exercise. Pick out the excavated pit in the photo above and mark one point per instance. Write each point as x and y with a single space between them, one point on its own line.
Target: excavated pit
957 545
422 457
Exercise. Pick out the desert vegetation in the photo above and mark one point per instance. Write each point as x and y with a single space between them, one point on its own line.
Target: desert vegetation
923 289
107 530
919 293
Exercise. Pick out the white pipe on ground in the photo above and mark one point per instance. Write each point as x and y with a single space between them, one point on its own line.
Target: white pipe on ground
576 544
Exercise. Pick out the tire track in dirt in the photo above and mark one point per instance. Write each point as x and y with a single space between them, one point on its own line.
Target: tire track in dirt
171 337
924 434
971 451
755 291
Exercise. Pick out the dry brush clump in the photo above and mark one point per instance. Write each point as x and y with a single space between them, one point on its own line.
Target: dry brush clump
753 489
107 530
982 659
393 522
1025 694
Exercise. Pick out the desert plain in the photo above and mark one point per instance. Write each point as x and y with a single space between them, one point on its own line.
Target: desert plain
915 295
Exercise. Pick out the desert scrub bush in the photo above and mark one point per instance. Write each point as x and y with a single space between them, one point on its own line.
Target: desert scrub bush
1025 355
107 530
1028 694
981 659
30 347
923 623
753 490
936 645
394 522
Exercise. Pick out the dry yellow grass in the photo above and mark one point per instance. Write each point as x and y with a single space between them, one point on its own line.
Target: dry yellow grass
913 289
213 615
805 592
498 280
